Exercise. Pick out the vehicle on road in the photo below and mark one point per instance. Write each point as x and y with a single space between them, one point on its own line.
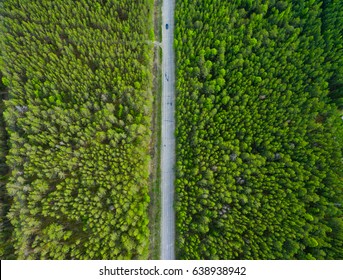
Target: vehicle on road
167 25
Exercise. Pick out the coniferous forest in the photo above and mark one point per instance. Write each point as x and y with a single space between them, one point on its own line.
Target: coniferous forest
259 136
259 130
78 114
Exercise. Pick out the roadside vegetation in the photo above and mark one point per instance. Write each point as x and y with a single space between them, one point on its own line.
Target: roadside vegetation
155 203
78 115
259 136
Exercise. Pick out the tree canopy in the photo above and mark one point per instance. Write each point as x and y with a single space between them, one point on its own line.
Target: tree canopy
78 116
259 141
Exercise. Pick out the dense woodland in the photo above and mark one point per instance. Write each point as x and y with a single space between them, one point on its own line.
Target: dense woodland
332 31
78 114
6 247
259 129
259 135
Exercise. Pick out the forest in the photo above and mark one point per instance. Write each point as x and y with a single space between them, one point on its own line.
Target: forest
76 97
259 129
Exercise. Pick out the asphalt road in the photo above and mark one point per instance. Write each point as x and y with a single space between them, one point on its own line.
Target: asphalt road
167 133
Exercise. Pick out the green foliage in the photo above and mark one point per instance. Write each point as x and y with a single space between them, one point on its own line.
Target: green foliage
78 117
6 247
259 149
332 30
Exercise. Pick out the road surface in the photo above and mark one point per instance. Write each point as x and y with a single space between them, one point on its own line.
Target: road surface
167 133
